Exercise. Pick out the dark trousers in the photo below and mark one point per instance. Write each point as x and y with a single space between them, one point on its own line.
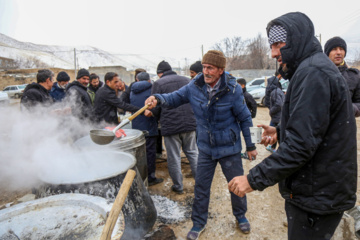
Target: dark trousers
159 147
305 225
231 167
151 157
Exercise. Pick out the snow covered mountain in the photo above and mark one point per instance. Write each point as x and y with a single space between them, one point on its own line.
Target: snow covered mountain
86 56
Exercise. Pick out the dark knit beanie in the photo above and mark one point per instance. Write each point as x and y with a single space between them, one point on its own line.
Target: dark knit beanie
163 66
333 43
143 76
62 77
196 67
82 72
214 57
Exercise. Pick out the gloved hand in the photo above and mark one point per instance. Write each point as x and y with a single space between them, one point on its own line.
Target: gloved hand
119 133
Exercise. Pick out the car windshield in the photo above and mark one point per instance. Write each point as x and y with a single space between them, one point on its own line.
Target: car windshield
21 87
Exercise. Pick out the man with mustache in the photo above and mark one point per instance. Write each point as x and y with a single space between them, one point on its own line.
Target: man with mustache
335 49
221 114
315 163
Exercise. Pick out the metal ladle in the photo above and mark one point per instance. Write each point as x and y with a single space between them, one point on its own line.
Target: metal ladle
103 137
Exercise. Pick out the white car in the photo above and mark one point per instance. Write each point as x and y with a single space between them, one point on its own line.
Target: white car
4 98
15 91
259 93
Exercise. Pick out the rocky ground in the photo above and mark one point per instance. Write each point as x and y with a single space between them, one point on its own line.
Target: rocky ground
265 209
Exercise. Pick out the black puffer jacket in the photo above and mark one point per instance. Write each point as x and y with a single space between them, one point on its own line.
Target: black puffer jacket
315 164
174 120
269 88
352 77
79 100
33 95
250 103
106 104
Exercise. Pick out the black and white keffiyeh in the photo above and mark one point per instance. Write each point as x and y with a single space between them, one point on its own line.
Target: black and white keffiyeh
277 33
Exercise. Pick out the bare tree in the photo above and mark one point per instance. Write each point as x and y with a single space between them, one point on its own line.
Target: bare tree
233 50
30 62
258 50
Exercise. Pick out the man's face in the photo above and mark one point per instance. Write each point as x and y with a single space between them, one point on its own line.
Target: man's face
337 55
84 80
121 85
95 83
63 83
212 74
48 84
114 83
275 51
192 74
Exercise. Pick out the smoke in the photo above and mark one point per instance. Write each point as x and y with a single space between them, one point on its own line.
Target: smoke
28 139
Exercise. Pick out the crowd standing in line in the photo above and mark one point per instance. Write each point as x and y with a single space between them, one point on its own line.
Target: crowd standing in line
315 166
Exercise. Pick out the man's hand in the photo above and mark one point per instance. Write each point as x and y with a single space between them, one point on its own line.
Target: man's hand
252 154
269 135
151 101
240 186
148 113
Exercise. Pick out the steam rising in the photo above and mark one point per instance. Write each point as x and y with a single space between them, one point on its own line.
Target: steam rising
28 139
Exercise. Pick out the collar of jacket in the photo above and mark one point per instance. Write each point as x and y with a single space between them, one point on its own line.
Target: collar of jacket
36 85
109 88
76 83
343 67
168 72
227 82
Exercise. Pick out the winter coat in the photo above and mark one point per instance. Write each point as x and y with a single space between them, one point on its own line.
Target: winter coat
106 104
125 96
220 119
250 103
315 163
277 98
140 91
33 95
174 120
92 91
78 98
57 93
352 77
269 88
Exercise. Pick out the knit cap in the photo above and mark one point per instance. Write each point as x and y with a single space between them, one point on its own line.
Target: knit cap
333 43
196 67
82 72
163 67
215 58
62 77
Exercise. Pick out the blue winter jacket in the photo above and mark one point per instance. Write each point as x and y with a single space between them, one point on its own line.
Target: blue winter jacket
140 91
220 119
57 93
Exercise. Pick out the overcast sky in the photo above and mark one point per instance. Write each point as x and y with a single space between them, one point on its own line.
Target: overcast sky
164 27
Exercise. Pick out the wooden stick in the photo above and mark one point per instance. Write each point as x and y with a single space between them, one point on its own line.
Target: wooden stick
138 112
116 207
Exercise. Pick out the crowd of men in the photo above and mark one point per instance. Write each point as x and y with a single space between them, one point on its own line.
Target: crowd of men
315 162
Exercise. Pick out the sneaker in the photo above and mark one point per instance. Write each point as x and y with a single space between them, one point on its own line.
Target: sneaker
155 181
176 190
194 233
270 149
244 225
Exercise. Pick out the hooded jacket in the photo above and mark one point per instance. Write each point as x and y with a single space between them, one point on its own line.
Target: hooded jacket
57 93
33 95
174 120
106 104
352 77
276 99
315 163
250 103
79 100
140 91
219 119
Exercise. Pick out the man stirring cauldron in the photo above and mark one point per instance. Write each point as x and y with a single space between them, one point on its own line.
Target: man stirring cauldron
221 114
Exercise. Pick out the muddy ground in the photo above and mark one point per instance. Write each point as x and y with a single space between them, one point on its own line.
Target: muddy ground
265 209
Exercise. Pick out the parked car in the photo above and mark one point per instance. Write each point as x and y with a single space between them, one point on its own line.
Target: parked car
255 83
4 99
259 93
15 91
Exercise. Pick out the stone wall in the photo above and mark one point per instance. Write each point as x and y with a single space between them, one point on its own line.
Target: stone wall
250 74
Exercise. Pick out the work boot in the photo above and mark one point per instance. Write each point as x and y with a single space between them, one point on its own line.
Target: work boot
194 233
176 190
155 181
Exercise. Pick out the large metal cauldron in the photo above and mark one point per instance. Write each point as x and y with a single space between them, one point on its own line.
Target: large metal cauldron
101 173
134 143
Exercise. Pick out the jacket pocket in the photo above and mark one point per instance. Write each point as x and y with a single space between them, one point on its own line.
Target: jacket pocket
225 137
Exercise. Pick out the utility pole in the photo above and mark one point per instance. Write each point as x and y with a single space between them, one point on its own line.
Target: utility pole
319 36
75 61
202 51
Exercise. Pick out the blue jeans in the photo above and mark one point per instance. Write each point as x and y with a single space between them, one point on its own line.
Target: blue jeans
231 167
